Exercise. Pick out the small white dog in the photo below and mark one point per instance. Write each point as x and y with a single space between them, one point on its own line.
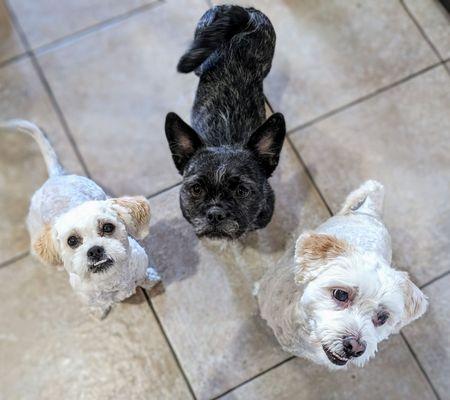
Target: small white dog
340 297
71 222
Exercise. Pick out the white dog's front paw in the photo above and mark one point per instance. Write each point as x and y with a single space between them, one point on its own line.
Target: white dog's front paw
152 278
152 275
255 289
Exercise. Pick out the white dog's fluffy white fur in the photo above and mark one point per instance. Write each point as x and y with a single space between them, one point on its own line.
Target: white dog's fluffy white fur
71 216
337 297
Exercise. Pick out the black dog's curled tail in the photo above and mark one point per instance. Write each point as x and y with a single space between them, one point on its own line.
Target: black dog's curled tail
229 22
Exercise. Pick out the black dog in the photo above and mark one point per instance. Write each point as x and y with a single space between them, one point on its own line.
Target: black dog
231 152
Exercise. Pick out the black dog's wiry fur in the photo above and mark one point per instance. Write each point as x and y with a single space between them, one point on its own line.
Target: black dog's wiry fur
231 151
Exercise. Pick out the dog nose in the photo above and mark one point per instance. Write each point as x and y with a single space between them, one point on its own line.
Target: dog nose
215 215
353 347
96 253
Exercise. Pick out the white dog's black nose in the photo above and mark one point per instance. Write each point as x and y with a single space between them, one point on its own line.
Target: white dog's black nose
96 253
353 347
215 215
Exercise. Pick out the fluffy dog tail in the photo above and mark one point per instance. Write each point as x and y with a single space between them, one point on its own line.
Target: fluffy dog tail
367 199
50 158
227 21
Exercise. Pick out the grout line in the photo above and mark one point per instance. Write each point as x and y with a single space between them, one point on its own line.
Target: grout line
14 259
47 87
254 377
420 366
60 114
163 190
447 66
308 173
158 321
435 279
13 59
305 168
70 38
421 30
363 98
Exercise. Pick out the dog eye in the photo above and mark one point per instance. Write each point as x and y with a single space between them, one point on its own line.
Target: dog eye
73 241
196 190
108 228
340 295
242 191
380 318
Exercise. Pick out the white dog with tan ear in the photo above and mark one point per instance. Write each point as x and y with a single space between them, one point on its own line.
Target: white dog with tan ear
72 223
338 297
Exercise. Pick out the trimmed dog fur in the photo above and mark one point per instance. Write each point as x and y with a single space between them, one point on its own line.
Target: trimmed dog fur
231 150
338 296
71 222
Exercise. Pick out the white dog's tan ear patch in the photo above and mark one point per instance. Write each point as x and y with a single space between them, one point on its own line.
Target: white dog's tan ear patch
313 251
416 302
45 248
135 213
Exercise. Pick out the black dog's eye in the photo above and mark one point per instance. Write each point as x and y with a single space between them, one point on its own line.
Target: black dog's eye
340 295
196 190
242 191
380 318
108 228
73 241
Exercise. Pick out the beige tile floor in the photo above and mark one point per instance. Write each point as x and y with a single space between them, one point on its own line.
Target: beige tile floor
365 87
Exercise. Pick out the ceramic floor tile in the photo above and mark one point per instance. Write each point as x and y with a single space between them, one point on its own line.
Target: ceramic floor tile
10 44
208 309
400 138
22 169
115 88
430 336
435 21
330 53
52 348
47 20
392 374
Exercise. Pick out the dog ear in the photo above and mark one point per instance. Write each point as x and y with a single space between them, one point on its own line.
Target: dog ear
312 253
416 302
183 140
45 248
135 213
267 141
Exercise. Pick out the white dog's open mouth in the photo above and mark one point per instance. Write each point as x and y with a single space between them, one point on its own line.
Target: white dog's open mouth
334 357
101 266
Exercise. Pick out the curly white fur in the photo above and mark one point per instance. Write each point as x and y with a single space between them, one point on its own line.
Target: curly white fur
71 205
351 252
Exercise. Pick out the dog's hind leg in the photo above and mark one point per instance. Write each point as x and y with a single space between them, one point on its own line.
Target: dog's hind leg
367 199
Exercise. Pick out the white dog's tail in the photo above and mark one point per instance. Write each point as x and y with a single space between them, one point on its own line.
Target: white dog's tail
50 158
368 199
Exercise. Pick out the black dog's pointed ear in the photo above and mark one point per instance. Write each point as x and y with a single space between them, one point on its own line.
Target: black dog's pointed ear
267 141
183 140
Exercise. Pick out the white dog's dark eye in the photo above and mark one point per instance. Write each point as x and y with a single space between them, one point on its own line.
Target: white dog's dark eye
108 228
196 190
73 241
242 191
340 295
380 318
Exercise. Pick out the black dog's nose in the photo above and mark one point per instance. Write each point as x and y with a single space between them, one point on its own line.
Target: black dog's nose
353 347
96 253
215 215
